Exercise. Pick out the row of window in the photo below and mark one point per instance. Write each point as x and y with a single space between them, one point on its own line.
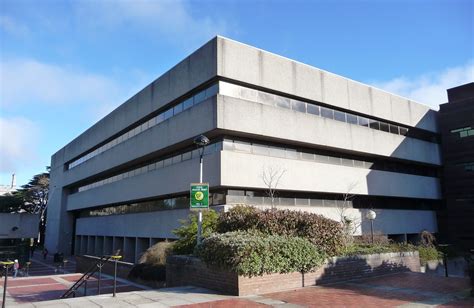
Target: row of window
153 166
334 159
469 166
266 150
464 132
215 198
165 115
325 112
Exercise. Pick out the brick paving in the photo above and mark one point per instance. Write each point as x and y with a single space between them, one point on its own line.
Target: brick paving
396 290
47 281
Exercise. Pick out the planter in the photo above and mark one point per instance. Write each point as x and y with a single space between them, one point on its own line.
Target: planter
185 270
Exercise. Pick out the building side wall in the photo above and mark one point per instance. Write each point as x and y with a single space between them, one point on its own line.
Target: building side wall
245 170
164 181
193 71
264 121
182 127
250 65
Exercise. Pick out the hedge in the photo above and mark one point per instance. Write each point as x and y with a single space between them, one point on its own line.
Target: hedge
326 234
253 253
187 232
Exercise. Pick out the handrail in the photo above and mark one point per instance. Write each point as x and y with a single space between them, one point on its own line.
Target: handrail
91 271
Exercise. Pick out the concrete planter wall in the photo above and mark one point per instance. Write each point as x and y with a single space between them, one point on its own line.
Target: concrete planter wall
185 270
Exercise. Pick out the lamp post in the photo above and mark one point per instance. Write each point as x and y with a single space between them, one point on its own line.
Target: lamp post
200 141
6 265
371 216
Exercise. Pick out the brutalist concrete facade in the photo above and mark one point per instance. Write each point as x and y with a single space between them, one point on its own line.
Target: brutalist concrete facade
123 183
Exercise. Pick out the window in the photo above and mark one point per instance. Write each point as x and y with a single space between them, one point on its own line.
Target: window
352 119
327 113
363 121
384 127
469 166
374 124
282 102
188 103
312 109
199 97
177 109
339 116
298 106
464 132
168 114
403 131
394 129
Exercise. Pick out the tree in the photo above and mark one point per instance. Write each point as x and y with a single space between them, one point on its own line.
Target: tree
34 199
271 176
349 222
10 203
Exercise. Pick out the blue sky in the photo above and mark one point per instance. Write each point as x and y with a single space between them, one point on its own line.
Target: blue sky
65 64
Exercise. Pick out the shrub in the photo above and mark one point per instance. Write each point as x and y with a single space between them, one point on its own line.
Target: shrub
367 249
187 233
253 253
326 234
428 253
366 239
156 254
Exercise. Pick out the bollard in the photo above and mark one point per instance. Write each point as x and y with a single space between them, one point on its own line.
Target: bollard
5 264
116 258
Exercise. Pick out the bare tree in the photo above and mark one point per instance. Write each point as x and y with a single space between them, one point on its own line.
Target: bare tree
349 222
271 176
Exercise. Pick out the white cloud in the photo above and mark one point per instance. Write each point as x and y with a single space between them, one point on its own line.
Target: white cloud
27 81
172 19
18 143
430 88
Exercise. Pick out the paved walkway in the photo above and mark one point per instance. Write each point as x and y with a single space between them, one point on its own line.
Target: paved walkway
397 290
47 281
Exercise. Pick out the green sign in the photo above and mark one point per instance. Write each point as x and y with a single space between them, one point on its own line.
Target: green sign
199 195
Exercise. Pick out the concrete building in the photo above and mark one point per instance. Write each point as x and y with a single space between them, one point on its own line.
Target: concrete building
457 129
124 183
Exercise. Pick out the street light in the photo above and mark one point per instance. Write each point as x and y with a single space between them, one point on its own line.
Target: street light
200 141
371 216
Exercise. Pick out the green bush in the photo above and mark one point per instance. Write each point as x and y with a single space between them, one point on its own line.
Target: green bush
187 233
367 249
326 234
428 253
253 253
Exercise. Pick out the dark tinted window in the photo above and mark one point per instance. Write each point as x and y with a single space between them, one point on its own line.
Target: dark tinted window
351 118
384 126
339 116
327 113
403 131
313 109
394 129
363 121
374 124
298 106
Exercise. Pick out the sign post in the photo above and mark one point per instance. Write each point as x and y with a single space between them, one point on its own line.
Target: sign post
199 199
199 195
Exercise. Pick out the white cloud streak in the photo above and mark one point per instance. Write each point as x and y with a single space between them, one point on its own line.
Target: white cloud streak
430 88
18 143
171 19
27 81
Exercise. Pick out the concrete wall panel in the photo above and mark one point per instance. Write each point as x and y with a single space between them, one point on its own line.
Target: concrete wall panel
245 170
268 121
168 180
